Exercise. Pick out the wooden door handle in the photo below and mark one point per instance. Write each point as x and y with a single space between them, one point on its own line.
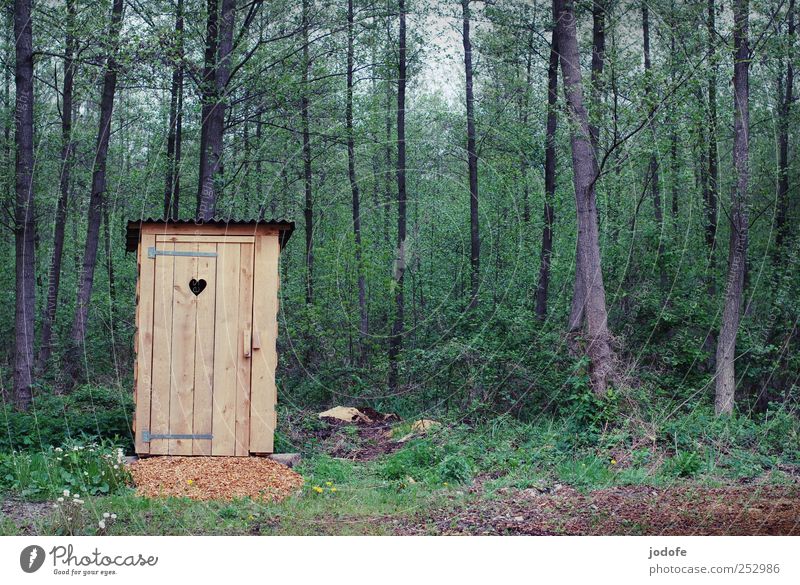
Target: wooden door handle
256 340
247 343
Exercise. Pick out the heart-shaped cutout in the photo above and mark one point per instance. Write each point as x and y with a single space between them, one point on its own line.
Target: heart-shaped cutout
197 286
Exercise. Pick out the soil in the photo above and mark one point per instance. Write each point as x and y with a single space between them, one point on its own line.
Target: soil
359 441
24 514
679 510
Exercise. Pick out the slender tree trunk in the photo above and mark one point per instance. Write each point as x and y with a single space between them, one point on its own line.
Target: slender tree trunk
675 168
585 171
308 210
524 112
219 44
24 213
472 161
86 279
54 278
396 338
737 254
576 314
363 323
171 193
785 97
712 158
653 167
549 180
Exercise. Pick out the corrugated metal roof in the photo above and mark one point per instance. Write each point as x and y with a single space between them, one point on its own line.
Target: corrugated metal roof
286 227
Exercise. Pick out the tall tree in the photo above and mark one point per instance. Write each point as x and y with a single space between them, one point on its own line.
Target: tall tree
585 172
219 45
24 214
396 338
599 10
308 209
653 167
67 147
712 158
86 279
737 253
785 98
549 180
175 131
363 322
472 160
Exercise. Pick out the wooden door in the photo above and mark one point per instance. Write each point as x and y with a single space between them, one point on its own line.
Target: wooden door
201 328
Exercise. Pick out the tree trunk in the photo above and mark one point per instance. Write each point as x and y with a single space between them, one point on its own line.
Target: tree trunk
171 187
67 148
472 162
363 323
737 254
549 180
576 315
785 97
712 157
86 278
24 213
219 44
585 171
308 210
653 167
396 338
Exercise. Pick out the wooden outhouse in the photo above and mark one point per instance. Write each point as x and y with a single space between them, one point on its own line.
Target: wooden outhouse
206 327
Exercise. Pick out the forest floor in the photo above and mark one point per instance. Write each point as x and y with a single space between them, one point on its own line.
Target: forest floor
386 479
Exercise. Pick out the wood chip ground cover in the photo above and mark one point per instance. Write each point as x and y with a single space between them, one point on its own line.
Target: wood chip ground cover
214 478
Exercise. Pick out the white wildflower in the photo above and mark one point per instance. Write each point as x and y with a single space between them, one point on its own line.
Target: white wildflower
113 516
60 499
102 524
116 466
76 496
78 501
66 493
106 515
59 450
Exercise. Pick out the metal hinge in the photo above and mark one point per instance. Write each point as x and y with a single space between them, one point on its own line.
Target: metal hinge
147 437
152 252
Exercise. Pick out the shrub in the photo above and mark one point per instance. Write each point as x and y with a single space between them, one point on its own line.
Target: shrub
92 469
87 412
415 461
455 469
683 464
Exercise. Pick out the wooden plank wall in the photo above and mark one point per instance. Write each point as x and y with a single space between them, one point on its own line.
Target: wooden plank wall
142 375
192 371
227 347
204 350
263 397
162 349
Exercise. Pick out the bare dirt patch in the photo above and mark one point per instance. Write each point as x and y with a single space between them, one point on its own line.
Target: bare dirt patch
678 510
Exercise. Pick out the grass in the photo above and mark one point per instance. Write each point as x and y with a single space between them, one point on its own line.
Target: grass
452 467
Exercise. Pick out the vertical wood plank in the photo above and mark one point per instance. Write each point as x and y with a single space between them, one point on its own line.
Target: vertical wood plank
263 395
244 361
184 320
227 346
144 342
204 350
162 349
